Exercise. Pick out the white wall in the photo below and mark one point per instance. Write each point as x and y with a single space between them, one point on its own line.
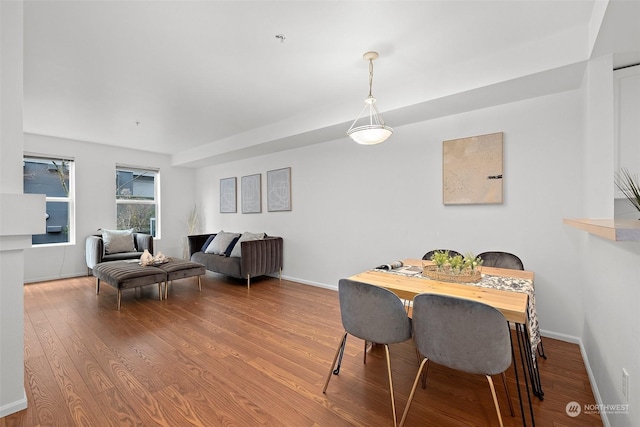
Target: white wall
611 271
95 202
355 207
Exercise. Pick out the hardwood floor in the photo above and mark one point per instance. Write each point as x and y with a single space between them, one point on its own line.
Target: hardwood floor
235 357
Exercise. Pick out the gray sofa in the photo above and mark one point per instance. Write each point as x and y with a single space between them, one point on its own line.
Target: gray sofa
259 257
95 252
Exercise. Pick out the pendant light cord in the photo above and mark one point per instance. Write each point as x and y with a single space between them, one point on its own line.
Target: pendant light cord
370 76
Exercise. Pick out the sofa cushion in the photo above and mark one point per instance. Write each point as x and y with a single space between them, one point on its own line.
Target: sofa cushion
121 256
116 241
219 264
246 236
207 243
232 245
219 244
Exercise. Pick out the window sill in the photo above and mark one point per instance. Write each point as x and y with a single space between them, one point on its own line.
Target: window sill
52 245
619 230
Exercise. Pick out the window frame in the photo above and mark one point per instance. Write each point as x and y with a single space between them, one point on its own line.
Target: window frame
156 196
70 199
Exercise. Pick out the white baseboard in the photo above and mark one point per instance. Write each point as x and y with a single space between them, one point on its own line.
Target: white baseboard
308 282
49 278
594 384
561 337
13 407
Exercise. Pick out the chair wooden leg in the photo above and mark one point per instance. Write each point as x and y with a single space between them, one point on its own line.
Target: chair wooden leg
506 389
97 286
413 390
365 353
248 281
333 364
393 401
495 399
119 298
160 291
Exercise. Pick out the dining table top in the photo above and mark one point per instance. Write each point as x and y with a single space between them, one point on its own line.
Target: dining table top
513 305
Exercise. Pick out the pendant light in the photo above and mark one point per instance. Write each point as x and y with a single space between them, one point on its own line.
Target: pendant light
373 131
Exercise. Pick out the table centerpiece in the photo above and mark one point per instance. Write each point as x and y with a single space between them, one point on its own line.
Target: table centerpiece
462 269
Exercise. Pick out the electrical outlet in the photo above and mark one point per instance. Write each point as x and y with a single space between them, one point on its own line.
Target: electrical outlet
625 384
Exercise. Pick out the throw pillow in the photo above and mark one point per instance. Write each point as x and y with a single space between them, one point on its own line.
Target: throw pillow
220 243
207 243
237 250
232 245
116 241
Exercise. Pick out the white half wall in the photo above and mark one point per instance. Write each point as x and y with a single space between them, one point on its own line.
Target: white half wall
610 270
13 237
95 202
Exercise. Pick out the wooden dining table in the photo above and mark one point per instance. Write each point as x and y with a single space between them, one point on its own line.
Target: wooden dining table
513 305
407 282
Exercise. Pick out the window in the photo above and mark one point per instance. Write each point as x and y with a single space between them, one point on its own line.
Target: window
137 204
55 179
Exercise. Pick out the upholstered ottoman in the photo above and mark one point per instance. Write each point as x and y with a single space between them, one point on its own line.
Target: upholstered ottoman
128 274
179 269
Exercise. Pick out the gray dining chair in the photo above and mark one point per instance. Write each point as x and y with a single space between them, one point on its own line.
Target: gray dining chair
375 315
461 334
501 260
428 255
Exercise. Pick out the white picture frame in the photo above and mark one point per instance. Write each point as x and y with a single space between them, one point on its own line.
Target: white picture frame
228 197
251 193
279 190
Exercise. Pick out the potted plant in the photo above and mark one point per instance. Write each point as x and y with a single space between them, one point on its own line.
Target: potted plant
628 185
453 268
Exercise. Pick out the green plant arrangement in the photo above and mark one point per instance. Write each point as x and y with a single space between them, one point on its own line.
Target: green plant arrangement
453 268
628 184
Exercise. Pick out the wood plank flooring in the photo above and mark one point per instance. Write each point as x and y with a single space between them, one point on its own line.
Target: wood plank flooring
235 357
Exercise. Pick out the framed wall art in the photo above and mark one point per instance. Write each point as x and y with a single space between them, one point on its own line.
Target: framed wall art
251 186
228 195
472 170
279 190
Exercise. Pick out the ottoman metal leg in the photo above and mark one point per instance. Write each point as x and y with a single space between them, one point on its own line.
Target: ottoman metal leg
119 298
199 284
97 286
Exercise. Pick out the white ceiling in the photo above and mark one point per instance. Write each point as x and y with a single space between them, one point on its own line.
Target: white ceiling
209 81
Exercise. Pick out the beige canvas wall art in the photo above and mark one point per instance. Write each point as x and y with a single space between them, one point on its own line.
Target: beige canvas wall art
472 170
